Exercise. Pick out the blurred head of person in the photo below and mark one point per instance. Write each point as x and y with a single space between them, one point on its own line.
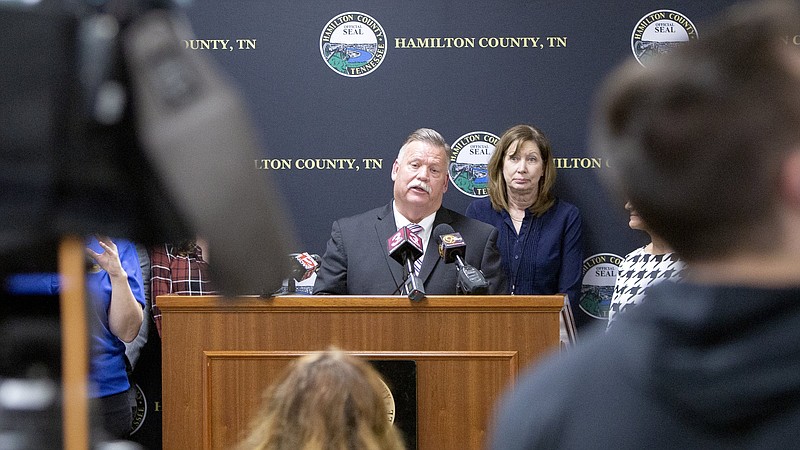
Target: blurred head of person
635 221
325 400
420 174
657 245
699 139
522 167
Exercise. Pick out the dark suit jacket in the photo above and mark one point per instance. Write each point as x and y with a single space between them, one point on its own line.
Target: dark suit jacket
357 262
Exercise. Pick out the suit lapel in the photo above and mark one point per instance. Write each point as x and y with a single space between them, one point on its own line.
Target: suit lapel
385 227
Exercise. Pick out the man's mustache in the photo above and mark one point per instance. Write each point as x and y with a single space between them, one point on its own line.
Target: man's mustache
420 184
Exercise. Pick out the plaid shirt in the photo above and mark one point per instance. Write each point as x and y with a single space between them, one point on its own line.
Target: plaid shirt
173 273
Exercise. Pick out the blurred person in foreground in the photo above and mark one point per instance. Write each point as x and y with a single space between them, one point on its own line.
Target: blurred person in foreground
642 268
115 291
356 259
706 143
539 235
325 400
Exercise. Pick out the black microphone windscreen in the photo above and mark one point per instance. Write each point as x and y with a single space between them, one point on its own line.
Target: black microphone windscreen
442 228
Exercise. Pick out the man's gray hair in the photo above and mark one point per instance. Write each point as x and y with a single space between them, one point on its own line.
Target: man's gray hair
428 136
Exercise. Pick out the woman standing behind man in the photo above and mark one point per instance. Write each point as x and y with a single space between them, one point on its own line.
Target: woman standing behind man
539 235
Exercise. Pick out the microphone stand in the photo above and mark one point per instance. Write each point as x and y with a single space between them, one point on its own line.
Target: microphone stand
412 284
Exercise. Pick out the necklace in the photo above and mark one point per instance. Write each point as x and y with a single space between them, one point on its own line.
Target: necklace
521 219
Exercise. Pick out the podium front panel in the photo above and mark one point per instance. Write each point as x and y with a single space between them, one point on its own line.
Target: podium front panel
219 355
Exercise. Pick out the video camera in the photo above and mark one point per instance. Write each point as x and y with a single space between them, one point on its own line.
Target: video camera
109 125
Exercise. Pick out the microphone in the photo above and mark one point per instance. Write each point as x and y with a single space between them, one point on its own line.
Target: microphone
451 244
303 265
405 247
452 248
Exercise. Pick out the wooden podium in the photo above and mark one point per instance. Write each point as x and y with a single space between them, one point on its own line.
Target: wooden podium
219 354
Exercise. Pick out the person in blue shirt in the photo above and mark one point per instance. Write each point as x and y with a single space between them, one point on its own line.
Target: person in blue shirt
116 299
539 235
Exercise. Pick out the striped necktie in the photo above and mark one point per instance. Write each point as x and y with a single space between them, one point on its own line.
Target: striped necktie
416 229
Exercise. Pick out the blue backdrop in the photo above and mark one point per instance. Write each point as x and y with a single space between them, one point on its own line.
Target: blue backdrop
459 67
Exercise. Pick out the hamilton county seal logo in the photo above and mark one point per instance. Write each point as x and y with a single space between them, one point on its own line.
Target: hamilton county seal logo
599 275
353 44
659 32
469 162
388 402
139 408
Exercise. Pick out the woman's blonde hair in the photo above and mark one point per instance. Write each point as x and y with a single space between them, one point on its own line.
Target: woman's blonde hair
325 400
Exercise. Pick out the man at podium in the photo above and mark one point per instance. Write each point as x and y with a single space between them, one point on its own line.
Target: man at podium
357 260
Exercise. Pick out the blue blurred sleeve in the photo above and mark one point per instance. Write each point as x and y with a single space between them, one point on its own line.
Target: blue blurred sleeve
32 284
